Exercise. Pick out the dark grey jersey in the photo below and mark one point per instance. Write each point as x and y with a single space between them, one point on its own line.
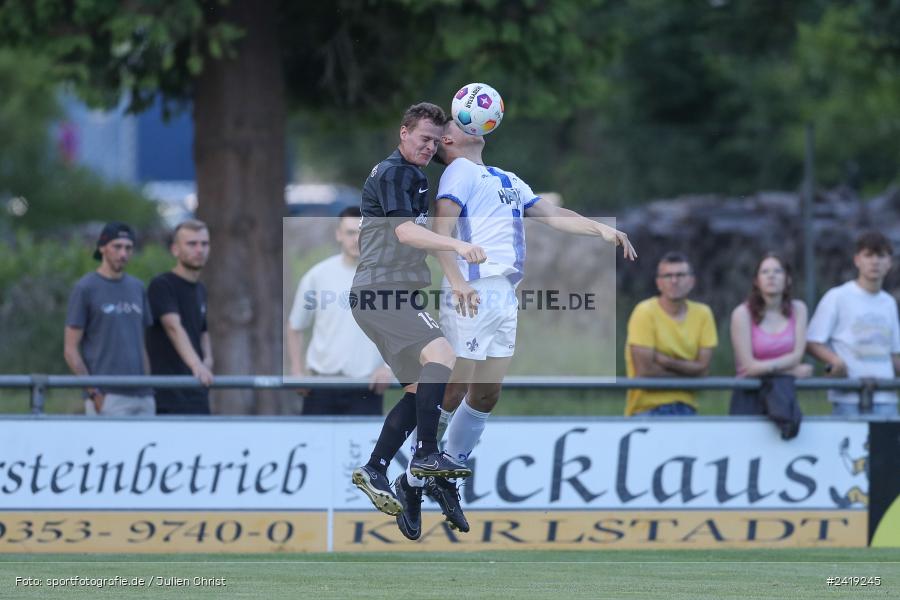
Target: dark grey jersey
396 191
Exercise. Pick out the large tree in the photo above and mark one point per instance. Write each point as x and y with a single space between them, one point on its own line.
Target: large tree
242 63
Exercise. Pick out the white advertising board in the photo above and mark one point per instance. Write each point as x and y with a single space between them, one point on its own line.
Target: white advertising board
570 464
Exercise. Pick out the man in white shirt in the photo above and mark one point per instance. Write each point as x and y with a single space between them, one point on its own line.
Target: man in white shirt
338 347
855 329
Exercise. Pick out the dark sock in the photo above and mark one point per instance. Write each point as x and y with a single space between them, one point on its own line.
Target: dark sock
429 395
397 426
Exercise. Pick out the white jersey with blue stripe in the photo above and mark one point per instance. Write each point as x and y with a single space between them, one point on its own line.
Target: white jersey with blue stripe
493 204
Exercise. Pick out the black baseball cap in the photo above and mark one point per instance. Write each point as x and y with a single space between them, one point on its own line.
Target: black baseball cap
113 231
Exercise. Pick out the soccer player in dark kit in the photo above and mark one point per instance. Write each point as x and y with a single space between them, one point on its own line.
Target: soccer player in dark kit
394 240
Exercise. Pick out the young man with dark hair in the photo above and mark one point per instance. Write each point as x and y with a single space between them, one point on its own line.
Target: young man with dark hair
394 240
105 323
337 346
669 336
855 329
178 342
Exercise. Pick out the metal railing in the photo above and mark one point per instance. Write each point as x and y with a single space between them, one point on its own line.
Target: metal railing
39 384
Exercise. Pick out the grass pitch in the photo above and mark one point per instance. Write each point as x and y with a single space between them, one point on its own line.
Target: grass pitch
720 574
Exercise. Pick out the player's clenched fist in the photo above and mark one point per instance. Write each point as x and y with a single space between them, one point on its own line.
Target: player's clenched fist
471 252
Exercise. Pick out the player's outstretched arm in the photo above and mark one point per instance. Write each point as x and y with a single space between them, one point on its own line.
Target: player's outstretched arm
569 221
418 237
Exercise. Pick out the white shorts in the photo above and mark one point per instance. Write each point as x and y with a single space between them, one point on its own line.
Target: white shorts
492 333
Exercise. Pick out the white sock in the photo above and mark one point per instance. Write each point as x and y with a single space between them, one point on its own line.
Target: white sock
412 480
413 441
443 422
464 431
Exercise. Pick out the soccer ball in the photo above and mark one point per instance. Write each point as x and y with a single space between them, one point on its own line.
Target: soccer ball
477 108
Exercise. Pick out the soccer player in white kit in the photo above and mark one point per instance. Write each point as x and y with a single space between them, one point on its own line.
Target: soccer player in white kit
486 206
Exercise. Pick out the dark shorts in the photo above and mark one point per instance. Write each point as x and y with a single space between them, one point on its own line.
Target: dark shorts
342 401
398 329
182 402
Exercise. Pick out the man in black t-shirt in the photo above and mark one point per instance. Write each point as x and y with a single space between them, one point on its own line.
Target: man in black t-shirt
394 239
178 341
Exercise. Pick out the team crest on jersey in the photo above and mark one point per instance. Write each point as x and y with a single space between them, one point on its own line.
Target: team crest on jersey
472 345
422 219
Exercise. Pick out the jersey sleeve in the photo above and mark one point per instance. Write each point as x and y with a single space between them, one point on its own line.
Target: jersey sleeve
640 328
824 320
162 299
526 193
709 337
895 328
397 190
77 310
457 182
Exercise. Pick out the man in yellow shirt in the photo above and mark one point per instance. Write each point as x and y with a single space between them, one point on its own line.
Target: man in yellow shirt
669 336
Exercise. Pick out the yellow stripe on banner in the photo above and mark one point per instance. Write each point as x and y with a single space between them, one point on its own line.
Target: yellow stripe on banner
264 532
162 531
574 530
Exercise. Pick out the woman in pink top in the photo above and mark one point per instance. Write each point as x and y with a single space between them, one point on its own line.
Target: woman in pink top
768 331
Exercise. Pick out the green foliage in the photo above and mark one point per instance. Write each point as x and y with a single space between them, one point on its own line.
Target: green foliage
360 63
516 44
715 98
36 277
630 100
62 196
55 195
851 92
27 105
611 103
148 48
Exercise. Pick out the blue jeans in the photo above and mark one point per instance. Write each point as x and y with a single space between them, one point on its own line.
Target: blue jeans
879 409
675 409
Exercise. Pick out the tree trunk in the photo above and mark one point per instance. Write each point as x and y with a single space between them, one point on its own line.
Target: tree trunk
239 151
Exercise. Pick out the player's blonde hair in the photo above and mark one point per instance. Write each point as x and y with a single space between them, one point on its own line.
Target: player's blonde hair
190 225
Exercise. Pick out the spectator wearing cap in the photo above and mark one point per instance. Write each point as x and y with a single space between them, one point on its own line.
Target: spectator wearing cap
104 334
